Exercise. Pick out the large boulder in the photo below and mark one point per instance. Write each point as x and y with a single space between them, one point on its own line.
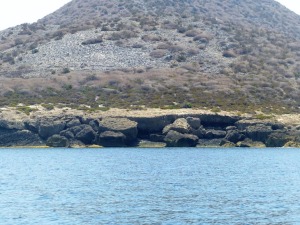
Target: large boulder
20 138
11 124
200 132
243 124
58 141
86 135
151 125
112 139
214 134
31 125
258 132
194 122
176 139
73 123
94 124
123 125
48 128
277 139
234 136
77 129
67 133
180 125
215 120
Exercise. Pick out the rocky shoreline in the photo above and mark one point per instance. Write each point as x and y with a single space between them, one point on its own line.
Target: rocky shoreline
166 130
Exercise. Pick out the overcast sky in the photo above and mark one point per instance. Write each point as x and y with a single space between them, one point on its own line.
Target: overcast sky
14 12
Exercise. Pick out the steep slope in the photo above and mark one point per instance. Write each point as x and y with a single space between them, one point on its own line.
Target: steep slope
232 54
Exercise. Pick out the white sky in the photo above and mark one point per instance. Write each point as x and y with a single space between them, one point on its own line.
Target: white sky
14 12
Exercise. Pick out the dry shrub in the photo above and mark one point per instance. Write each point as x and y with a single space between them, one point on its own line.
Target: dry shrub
151 38
169 25
202 37
158 53
163 46
137 45
125 34
92 41
192 52
294 46
192 33
176 48
229 54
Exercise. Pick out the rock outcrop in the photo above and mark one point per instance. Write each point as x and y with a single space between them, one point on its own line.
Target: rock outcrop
122 125
20 138
176 139
171 130
112 139
180 125
86 135
58 141
48 128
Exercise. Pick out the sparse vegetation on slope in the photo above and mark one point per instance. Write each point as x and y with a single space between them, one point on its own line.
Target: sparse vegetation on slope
171 54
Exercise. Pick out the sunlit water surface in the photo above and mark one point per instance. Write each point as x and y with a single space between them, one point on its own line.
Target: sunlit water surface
149 186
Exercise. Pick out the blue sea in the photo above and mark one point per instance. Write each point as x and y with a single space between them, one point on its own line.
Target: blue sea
149 186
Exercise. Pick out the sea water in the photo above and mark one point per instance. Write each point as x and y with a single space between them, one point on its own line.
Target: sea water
149 186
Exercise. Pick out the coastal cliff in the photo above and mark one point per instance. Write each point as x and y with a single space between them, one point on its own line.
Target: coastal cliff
143 128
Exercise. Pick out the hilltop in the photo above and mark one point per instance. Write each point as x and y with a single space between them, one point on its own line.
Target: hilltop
229 55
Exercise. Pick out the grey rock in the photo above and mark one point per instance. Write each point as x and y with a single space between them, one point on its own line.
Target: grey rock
67 133
234 136
152 125
194 122
258 132
180 125
231 128
58 141
112 139
200 132
156 138
176 139
31 125
214 134
278 139
11 124
95 125
243 124
73 123
218 120
20 138
123 125
77 129
87 135
48 128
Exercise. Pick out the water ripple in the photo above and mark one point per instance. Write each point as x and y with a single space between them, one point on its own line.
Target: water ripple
150 186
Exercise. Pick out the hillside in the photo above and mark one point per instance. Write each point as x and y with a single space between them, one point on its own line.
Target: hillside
229 55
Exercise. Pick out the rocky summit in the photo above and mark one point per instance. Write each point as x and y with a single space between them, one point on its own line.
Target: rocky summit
223 55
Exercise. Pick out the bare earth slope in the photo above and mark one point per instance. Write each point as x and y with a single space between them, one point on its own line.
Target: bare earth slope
232 55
